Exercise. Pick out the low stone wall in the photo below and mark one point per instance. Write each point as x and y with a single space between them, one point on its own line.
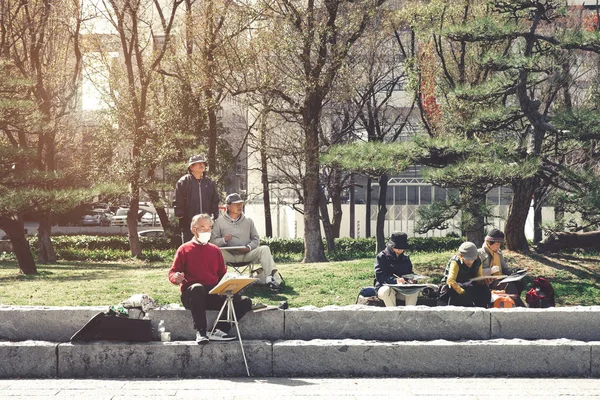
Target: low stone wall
299 358
310 341
58 324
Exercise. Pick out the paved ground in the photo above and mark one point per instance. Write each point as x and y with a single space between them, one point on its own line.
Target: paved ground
301 388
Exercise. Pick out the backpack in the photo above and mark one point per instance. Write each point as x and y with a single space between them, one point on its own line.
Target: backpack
504 302
368 296
541 295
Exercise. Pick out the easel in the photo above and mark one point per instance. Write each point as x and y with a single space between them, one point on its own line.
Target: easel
228 288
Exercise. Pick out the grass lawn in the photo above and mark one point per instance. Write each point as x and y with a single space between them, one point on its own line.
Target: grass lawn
575 279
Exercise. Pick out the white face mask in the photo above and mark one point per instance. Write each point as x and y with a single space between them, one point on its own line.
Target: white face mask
203 237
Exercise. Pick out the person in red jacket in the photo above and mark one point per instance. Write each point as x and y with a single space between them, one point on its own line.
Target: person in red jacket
197 267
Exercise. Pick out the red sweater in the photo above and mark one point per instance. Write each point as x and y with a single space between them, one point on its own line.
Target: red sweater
201 263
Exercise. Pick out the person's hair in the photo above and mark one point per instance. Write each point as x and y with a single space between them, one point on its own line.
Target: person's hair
198 217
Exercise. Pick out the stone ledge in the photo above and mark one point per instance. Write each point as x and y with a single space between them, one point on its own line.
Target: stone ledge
297 358
498 357
58 324
165 359
28 359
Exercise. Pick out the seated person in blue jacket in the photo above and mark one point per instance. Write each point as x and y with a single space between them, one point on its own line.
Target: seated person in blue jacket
456 288
390 265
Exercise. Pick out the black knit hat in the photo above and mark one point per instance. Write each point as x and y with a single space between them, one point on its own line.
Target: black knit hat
495 235
399 240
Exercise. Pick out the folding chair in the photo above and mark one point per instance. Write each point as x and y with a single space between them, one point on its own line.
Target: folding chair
242 268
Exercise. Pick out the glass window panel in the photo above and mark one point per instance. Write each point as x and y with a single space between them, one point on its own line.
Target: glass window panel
492 196
440 194
401 195
425 194
506 195
413 195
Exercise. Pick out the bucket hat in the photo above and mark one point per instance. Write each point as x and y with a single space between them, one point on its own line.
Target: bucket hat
198 158
233 198
399 240
468 250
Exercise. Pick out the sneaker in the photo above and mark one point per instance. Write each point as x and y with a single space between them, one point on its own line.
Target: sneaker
274 286
201 337
219 335
258 306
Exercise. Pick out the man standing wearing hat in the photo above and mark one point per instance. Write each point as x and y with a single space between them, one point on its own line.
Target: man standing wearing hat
235 229
493 263
195 194
456 287
391 264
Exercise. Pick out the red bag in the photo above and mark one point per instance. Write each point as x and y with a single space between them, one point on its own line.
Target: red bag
541 295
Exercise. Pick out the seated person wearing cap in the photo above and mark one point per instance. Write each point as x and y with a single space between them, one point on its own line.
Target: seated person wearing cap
493 263
235 229
390 265
456 288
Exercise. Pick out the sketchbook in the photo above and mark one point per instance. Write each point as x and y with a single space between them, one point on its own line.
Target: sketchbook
484 277
232 285
517 276
410 285
414 277
411 288
233 248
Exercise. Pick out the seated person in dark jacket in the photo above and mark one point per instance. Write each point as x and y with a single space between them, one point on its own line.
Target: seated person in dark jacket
390 265
456 288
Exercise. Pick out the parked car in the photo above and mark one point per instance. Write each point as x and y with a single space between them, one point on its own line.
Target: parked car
120 217
96 218
150 219
152 233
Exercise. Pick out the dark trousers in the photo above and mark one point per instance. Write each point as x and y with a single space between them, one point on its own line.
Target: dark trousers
196 299
184 225
477 295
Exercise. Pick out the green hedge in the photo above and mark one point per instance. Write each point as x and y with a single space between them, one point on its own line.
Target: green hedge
113 248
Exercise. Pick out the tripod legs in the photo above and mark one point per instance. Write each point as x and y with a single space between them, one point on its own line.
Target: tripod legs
231 318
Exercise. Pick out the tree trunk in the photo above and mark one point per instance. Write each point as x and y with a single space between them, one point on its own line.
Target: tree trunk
473 218
537 217
517 214
313 240
267 205
16 233
381 212
135 247
569 240
160 210
327 227
335 192
46 252
368 201
264 176
352 232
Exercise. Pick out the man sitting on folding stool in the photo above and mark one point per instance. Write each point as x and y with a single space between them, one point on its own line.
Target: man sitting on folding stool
234 229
